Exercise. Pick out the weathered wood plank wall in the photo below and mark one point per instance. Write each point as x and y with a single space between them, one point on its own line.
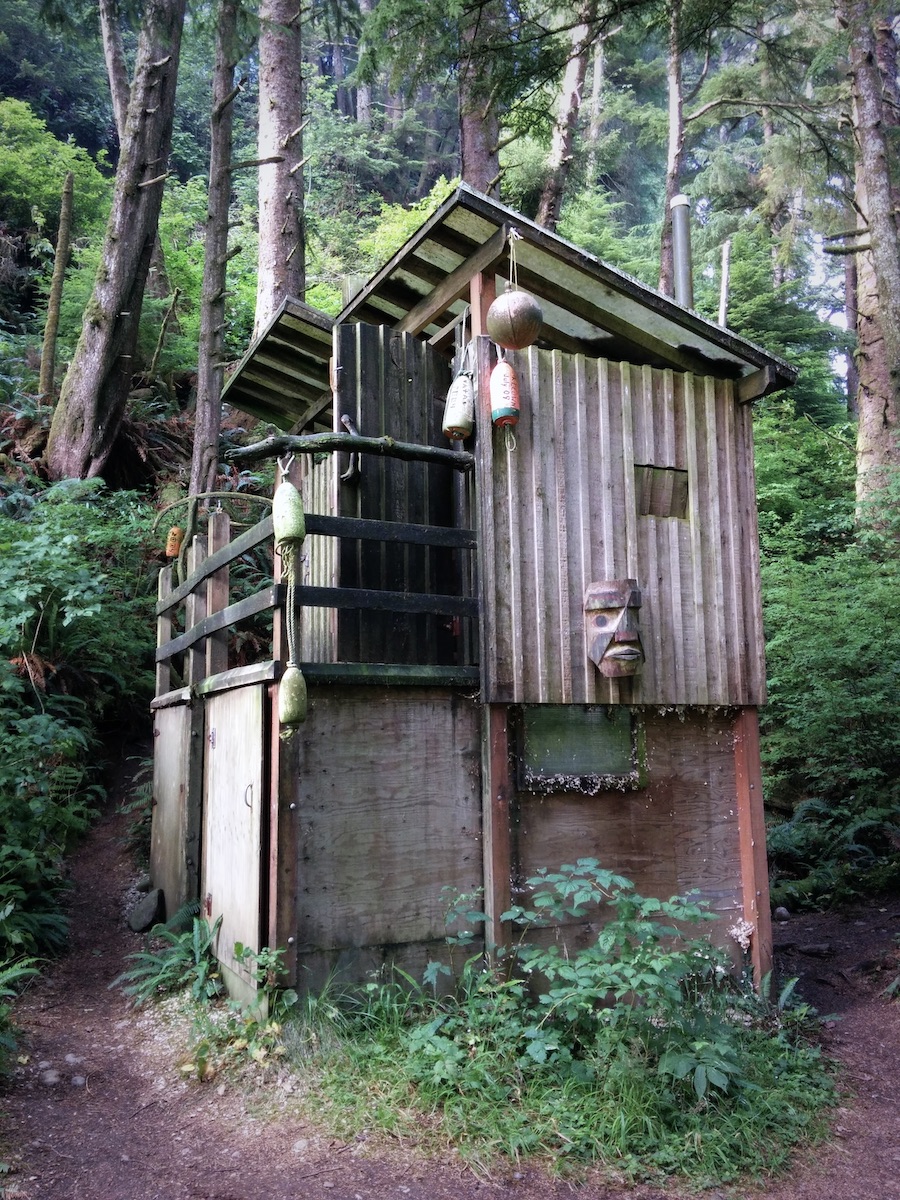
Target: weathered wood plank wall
386 787
394 384
563 509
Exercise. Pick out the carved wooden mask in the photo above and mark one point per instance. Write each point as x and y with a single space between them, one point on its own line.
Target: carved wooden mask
613 636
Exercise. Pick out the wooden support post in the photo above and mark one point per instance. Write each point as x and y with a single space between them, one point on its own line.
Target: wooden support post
284 834
752 839
164 632
194 612
482 294
495 822
217 593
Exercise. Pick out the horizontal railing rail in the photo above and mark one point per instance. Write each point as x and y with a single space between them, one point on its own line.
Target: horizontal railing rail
204 593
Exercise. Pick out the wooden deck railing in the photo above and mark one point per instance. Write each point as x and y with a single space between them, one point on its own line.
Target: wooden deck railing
209 615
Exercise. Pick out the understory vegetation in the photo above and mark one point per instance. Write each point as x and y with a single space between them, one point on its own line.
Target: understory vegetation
75 610
640 1051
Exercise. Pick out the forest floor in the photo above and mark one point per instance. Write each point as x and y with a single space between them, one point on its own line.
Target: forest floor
98 1109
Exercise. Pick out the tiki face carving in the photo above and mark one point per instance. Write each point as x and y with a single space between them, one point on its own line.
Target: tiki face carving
613 637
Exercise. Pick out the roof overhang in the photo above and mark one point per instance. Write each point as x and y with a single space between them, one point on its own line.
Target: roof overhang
589 308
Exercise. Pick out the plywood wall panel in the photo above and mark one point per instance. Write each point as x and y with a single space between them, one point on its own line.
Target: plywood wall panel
389 821
678 834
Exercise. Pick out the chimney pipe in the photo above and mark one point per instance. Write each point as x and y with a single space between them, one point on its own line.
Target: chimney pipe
681 250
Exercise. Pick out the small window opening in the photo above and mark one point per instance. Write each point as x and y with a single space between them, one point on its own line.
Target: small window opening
661 491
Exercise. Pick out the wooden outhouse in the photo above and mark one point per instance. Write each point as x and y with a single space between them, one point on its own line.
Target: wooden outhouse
543 646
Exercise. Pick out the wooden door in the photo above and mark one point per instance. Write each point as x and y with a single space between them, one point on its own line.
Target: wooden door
233 827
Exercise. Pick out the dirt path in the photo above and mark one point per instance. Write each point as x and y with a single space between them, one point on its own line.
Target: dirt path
98 1111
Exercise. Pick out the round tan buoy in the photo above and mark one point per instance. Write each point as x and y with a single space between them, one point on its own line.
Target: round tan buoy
514 320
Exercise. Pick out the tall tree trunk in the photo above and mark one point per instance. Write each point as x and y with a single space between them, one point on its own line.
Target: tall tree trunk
364 90
61 258
675 155
119 87
479 124
210 363
561 149
873 59
851 310
95 389
282 262
596 118
114 57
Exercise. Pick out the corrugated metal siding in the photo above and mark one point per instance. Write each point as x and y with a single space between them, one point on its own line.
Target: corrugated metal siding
559 511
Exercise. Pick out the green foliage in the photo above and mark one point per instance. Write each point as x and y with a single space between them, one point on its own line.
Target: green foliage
33 166
804 482
637 1050
180 960
75 605
831 745
239 1033
12 976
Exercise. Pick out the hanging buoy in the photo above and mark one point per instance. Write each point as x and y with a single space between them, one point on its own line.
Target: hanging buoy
504 388
514 320
288 521
174 538
459 411
289 527
292 700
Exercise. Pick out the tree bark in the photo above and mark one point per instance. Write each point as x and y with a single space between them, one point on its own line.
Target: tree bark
675 155
210 362
119 87
282 261
114 57
873 58
479 124
561 149
61 258
95 389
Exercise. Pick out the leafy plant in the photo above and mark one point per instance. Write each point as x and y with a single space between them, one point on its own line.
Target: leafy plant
638 1049
181 960
12 976
235 1033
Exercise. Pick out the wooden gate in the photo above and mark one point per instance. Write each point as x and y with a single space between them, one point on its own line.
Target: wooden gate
233 826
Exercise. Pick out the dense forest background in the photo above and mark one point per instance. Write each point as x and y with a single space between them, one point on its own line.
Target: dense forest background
224 156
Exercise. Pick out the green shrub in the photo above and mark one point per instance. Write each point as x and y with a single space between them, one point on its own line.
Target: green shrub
75 652
639 1051
831 729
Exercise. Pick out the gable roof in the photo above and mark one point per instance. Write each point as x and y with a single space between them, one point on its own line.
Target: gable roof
589 308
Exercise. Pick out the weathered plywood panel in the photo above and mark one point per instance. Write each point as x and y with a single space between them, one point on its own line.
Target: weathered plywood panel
386 787
561 510
233 808
175 830
678 834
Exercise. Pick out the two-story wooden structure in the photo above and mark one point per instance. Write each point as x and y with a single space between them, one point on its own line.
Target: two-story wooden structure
550 651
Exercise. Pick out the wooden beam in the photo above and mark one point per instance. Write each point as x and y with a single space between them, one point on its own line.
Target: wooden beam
760 383
495 818
314 410
752 840
194 618
455 284
268 598
163 629
250 538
